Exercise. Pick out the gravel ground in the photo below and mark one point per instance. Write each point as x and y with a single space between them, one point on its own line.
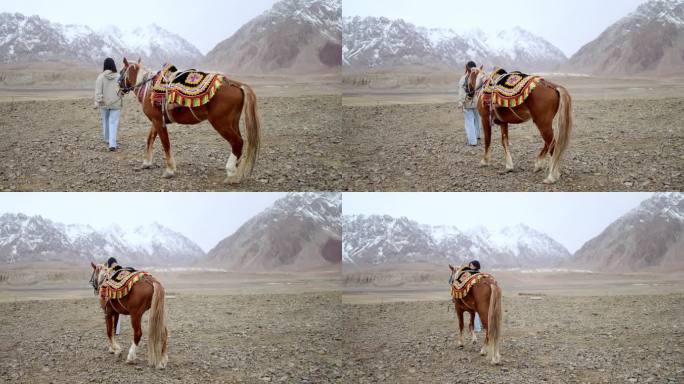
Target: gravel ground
622 339
213 339
56 145
616 145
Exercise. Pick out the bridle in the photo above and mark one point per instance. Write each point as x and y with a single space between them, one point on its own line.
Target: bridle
95 281
472 91
123 79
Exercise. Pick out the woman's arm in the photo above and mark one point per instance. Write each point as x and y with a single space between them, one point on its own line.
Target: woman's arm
99 84
461 92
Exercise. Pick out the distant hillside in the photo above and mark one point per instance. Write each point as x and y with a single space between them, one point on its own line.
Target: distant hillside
648 41
27 239
31 39
300 232
294 36
648 238
382 240
373 42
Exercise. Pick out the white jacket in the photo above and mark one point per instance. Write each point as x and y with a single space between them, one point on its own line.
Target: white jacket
106 90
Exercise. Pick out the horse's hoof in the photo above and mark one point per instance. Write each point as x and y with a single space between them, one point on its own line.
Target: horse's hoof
130 361
483 163
146 166
168 174
549 180
232 180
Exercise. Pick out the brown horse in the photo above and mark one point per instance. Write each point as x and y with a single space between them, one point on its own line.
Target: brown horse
485 299
223 112
542 105
148 293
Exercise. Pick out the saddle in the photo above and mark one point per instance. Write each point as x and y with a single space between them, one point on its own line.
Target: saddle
189 88
120 281
465 279
509 90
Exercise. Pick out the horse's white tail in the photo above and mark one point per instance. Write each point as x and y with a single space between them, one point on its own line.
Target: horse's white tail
252 127
562 137
156 347
494 323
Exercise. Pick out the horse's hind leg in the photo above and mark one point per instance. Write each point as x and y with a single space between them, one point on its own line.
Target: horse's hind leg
147 158
168 157
546 131
137 335
229 128
507 152
111 326
459 315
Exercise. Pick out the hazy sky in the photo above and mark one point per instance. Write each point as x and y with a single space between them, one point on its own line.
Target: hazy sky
205 218
203 23
566 24
570 218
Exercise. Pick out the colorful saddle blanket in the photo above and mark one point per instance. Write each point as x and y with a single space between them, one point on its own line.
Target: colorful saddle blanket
461 286
190 88
120 282
511 89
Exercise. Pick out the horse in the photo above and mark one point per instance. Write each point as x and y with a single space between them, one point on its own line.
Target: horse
223 111
541 107
146 294
484 298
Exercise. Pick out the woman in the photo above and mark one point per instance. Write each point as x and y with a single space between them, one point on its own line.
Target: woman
108 100
468 105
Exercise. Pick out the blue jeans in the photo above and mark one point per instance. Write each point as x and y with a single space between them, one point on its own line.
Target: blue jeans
110 123
472 125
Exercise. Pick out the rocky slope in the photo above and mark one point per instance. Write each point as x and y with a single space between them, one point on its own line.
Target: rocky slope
300 232
372 42
25 239
650 40
650 237
30 39
373 240
294 36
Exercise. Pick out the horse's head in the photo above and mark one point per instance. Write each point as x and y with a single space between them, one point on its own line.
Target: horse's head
474 81
98 276
452 274
128 76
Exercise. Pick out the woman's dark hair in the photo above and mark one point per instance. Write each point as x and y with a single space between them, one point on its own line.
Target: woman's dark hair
471 64
109 64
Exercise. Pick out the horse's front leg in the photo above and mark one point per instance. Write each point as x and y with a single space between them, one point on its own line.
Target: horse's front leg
111 325
137 335
168 157
147 157
471 326
487 129
507 152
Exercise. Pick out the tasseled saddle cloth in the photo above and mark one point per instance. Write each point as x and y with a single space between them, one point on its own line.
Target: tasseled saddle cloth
189 88
120 282
509 90
464 281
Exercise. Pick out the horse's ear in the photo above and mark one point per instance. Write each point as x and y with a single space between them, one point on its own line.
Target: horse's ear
125 62
93 265
451 267
139 60
482 67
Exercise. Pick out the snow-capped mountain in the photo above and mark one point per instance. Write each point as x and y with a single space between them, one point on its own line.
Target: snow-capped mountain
650 237
301 231
33 238
380 42
26 39
294 36
372 240
648 40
